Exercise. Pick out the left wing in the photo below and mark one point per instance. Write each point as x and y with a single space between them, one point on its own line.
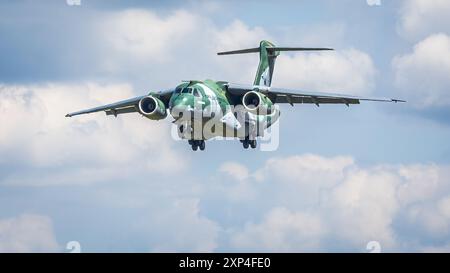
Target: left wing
281 95
125 106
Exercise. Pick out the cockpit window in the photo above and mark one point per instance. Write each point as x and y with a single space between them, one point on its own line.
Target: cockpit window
186 90
177 90
197 93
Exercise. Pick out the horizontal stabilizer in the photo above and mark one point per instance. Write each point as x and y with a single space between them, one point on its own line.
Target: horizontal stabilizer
299 48
257 49
241 51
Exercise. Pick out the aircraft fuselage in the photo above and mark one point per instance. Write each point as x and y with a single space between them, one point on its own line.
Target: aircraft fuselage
207 107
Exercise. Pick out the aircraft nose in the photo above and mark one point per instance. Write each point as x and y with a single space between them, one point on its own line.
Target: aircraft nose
180 108
176 111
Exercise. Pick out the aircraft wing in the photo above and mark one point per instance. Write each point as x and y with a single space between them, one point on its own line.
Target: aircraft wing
124 106
281 95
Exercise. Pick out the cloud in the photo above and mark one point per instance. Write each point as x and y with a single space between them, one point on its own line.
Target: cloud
282 231
419 18
154 49
301 169
311 173
364 205
422 75
27 233
182 43
145 36
416 190
336 205
237 188
35 135
296 203
404 207
238 35
181 228
235 170
348 71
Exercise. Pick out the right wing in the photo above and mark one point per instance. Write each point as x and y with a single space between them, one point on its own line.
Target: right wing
281 95
124 106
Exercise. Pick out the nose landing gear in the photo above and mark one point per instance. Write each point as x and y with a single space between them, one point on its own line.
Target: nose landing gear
195 144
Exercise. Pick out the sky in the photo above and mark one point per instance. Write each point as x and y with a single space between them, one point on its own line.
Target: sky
340 178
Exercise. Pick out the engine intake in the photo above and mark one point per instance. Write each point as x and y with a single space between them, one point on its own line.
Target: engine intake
152 108
256 103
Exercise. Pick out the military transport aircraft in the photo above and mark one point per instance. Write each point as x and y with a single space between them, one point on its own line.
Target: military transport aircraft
241 111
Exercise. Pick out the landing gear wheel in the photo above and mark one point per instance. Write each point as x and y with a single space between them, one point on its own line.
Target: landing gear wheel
194 145
202 145
245 144
253 143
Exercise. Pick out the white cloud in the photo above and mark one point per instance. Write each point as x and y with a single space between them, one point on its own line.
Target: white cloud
235 170
364 205
283 231
348 206
238 35
185 44
27 233
144 35
419 18
413 189
36 133
139 42
348 71
313 174
444 207
239 188
432 219
302 169
422 76
181 228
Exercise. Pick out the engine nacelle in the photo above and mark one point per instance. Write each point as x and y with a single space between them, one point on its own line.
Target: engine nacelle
257 103
152 108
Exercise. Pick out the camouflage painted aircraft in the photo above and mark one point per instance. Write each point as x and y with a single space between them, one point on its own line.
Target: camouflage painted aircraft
237 110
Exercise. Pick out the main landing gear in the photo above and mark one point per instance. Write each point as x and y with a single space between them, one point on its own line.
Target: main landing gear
249 142
195 144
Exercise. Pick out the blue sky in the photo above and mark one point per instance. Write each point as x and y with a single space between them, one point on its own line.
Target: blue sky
340 178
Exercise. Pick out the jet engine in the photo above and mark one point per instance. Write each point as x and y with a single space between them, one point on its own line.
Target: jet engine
152 108
257 103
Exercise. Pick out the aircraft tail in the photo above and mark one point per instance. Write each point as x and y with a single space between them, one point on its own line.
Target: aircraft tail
268 53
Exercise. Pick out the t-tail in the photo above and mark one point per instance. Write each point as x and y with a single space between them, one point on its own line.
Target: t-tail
268 53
